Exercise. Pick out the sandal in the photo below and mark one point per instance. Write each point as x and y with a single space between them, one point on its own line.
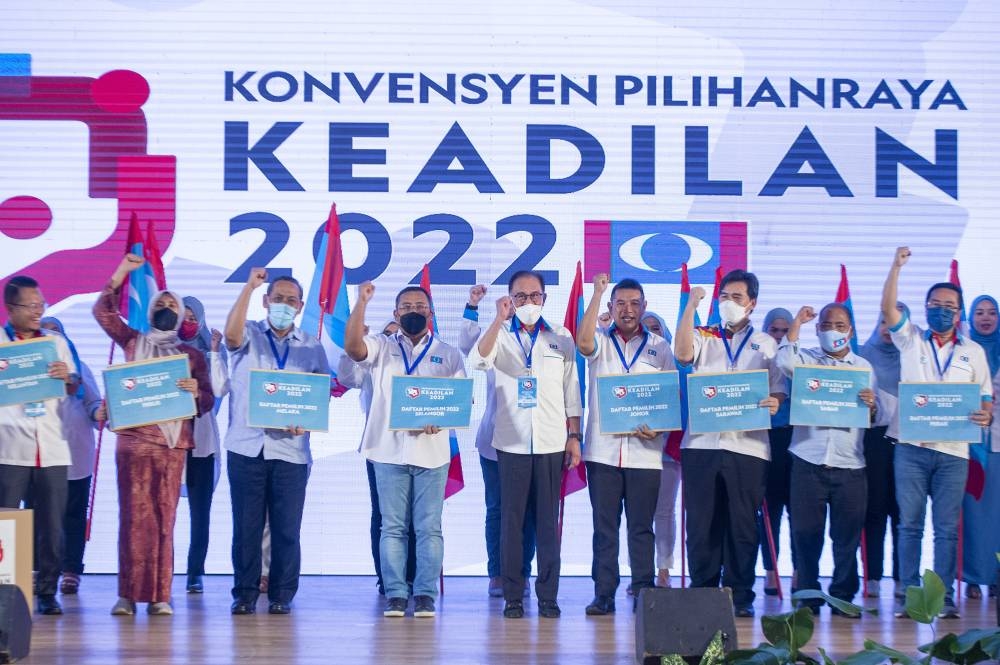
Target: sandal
70 583
973 591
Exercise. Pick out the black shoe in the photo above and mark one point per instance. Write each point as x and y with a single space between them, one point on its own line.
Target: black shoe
744 612
806 606
840 613
274 607
600 606
395 607
48 605
423 607
513 609
549 609
195 585
242 607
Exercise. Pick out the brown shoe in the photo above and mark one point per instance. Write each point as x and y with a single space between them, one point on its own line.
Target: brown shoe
70 584
263 584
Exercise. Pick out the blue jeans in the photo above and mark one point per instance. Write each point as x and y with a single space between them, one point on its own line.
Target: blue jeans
921 472
402 489
491 487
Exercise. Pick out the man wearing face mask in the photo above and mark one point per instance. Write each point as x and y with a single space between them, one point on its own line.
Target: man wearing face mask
724 473
828 464
34 451
537 431
932 468
268 468
623 470
411 468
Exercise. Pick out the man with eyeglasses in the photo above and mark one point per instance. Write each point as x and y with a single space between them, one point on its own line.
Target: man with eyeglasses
724 473
537 431
932 468
828 463
268 468
623 470
411 468
34 451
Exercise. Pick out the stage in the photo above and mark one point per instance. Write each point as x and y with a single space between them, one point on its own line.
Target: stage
339 619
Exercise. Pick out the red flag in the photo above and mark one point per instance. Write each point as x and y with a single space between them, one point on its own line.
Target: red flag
151 252
456 479
333 266
713 310
953 274
575 479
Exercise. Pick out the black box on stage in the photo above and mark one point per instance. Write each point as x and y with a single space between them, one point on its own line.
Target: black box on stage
683 622
15 624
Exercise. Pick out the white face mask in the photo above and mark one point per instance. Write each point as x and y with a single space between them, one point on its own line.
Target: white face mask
528 313
731 312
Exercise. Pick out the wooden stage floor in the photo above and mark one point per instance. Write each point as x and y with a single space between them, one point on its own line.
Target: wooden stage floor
339 620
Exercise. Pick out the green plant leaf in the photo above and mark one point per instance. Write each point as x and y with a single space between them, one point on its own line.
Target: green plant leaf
715 652
791 630
924 603
777 628
972 646
887 653
672 659
764 654
991 645
842 605
826 659
865 657
977 637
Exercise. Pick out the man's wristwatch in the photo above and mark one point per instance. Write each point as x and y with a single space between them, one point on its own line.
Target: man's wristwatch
575 435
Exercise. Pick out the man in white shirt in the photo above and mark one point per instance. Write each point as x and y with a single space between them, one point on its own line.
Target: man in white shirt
725 473
411 468
537 399
623 470
34 452
828 463
932 468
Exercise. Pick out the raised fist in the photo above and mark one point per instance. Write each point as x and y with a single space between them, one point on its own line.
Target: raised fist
476 294
805 314
697 295
601 282
258 276
365 291
902 256
505 308
131 262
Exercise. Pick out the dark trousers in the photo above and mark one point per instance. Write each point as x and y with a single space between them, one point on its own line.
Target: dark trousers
376 535
75 524
200 481
814 488
610 489
277 490
529 480
881 503
776 493
722 492
491 492
46 489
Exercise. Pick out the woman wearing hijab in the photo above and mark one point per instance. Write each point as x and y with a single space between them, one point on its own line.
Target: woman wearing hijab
150 458
980 518
665 518
884 358
202 469
80 414
776 495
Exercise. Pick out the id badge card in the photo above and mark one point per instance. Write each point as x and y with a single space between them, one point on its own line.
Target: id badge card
527 392
34 409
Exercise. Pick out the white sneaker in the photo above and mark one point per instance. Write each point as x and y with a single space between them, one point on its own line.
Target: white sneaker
123 608
159 609
872 588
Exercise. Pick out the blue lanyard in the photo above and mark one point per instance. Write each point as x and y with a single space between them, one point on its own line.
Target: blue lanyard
410 369
937 363
9 329
621 356
729 351
527 354
278 359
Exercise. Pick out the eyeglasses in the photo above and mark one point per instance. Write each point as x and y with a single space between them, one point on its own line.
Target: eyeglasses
406 308
536 297
949 309
31 307
840 326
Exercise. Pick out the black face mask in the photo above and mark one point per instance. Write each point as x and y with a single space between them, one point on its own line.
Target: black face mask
165 319
413 323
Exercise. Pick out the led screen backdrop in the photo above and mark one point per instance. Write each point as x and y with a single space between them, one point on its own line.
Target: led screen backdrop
481 139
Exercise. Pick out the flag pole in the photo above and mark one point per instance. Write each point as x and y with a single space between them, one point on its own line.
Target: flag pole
97 464
766 518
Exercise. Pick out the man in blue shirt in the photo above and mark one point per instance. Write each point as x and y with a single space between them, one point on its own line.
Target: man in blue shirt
268 468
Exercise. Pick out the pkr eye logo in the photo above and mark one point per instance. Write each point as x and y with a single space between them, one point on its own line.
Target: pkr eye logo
709 391
921 400
128 384
413 392
620 391
812 384
4 364
270 388
119 167
653 251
